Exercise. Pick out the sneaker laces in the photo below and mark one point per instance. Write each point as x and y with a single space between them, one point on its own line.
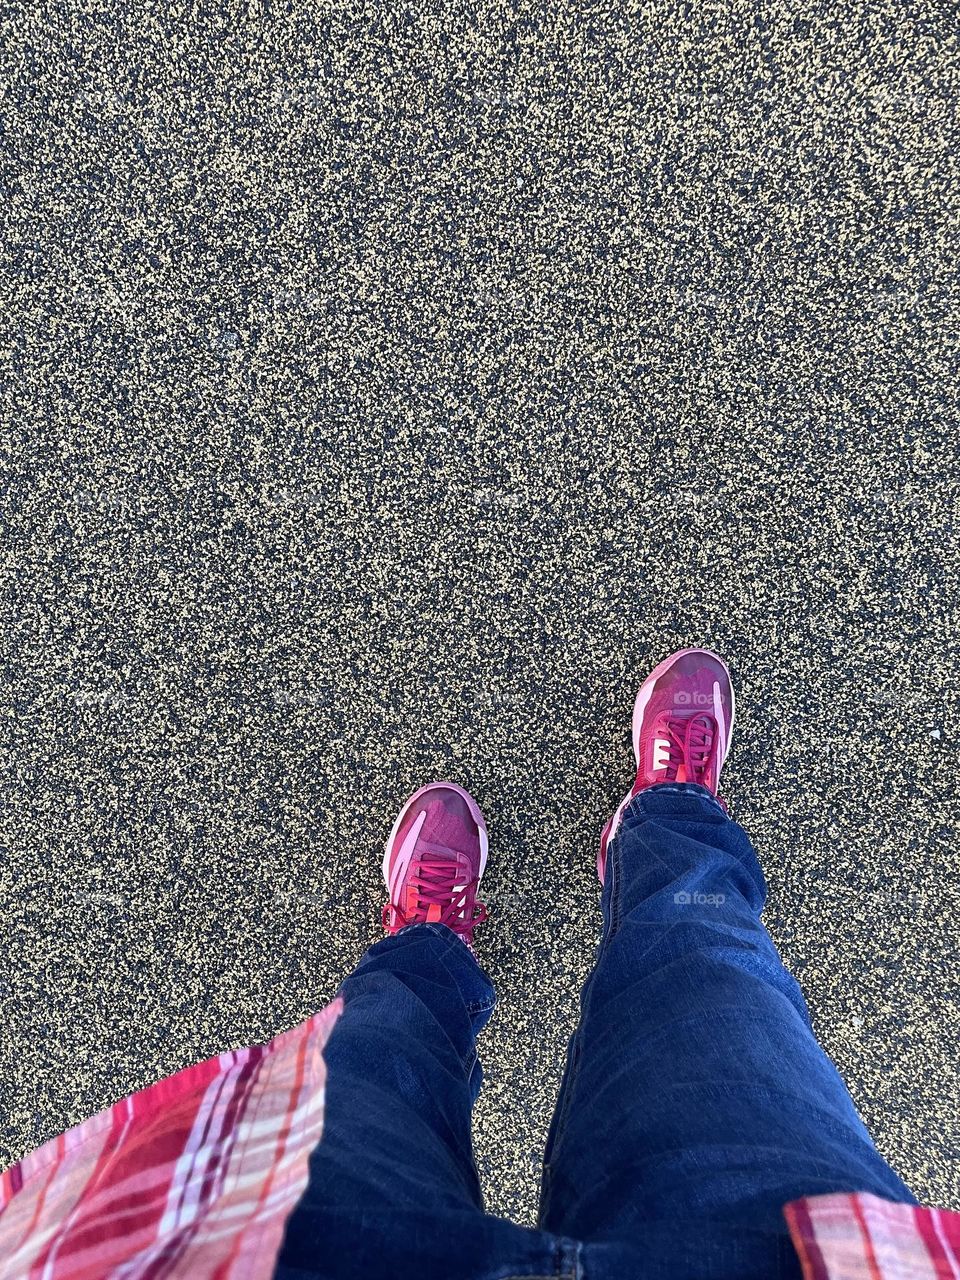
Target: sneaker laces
435 884
691 740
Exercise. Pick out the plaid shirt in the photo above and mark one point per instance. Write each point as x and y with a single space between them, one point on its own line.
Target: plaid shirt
194 1178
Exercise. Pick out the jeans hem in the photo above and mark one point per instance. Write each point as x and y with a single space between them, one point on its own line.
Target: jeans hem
692 789
566 1264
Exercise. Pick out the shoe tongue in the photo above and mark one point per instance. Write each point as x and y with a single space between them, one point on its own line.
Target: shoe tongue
444 831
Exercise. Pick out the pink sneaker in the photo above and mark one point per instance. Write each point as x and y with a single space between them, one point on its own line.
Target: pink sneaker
682 725
434 859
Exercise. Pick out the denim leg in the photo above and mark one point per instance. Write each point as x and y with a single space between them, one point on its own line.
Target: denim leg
696 1100
393 1188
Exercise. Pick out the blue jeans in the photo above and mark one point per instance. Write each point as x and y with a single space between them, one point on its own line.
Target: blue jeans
696 1101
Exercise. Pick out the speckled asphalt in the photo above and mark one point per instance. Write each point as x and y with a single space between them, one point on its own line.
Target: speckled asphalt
386 391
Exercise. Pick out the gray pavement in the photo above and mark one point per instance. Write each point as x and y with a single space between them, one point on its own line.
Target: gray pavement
387 390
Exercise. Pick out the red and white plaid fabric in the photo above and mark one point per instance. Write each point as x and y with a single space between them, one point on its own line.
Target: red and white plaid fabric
861 1237
194 1178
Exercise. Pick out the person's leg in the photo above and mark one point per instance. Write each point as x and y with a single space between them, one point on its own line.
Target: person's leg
696 1101
393 1189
